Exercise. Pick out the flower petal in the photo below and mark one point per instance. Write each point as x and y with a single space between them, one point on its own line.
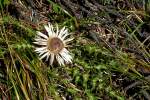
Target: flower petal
61 32
40 39
48 30
43 56
68 40
66 56
65 35
65 50
60 60
41 43
42 35
57 30
40 49
52 59
47 56
42 52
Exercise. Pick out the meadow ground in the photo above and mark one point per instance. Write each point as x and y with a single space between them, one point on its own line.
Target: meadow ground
110 50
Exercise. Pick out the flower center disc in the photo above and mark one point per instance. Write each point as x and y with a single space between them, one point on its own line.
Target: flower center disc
55 45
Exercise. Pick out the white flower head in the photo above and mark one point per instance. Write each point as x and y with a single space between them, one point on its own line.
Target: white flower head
53 45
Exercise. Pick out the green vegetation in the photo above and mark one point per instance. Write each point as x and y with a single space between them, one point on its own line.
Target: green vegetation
111 53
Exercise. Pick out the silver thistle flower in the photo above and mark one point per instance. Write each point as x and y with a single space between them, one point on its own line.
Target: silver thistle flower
53 45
